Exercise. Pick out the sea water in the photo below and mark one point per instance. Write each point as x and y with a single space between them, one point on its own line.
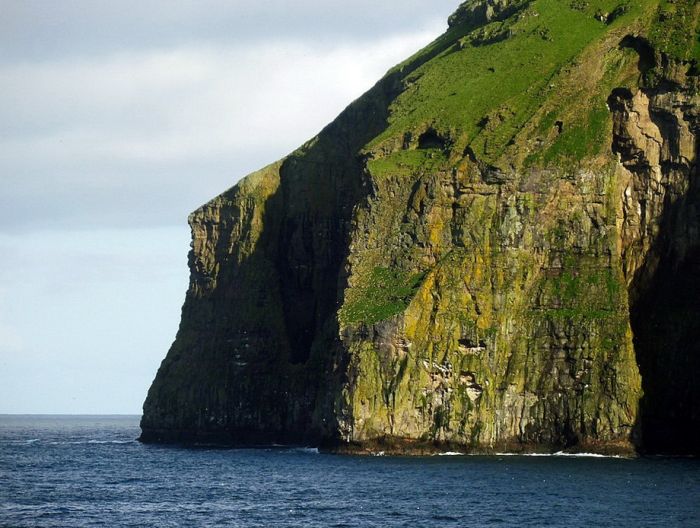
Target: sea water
74 471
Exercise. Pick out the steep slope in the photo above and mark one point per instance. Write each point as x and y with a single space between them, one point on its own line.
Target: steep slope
482 251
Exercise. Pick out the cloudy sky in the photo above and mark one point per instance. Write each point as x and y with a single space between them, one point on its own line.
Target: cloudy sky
117 120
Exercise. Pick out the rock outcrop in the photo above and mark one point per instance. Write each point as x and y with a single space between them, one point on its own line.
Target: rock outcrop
495 248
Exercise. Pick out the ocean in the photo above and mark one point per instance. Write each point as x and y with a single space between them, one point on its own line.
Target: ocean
80 471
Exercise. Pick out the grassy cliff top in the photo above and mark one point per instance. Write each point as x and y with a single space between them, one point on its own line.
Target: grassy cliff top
511 83
507 73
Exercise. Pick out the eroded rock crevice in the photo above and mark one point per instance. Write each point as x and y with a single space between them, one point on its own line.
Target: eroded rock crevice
656 138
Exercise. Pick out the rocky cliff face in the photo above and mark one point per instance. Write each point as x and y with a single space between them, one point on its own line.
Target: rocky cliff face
497 247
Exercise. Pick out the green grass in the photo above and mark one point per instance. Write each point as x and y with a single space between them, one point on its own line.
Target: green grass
584 292
484 94
581 139
386 293
675 29
483 87
405 162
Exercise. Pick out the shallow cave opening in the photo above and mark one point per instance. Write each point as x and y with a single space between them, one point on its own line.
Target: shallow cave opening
430 139
471 343
647 57
618 99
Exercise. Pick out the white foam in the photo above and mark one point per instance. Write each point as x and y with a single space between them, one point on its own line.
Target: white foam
99 442
560 454
110 441
308 450
585 455
451 453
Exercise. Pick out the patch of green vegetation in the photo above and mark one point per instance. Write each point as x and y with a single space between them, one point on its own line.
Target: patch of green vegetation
582 292
696 47
385 293
578 125
582 139
404 162
487 92
547 122
675 29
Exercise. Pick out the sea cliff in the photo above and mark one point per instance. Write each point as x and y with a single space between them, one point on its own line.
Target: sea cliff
497 247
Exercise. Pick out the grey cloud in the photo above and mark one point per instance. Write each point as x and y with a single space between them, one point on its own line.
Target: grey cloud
119 118
120 115
40 30
126 196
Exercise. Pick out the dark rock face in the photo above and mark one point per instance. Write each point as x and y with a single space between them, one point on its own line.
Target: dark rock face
440 269
256 357
476 14
665 254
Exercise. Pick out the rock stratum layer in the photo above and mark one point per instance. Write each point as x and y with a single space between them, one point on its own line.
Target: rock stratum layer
495 248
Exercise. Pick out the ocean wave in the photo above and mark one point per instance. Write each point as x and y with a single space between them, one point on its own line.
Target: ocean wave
307 450
111 441
586 455
560 454
450 453
94 442
297 449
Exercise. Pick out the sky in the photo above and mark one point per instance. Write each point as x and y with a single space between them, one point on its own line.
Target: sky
117 119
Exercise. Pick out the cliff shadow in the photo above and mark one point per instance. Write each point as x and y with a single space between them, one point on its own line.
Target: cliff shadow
665 320
257 358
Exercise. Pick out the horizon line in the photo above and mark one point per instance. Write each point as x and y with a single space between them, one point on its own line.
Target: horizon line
70 414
